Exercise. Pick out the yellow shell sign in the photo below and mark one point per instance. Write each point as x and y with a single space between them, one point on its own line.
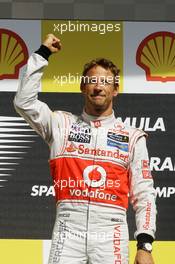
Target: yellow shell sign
156 55
13 54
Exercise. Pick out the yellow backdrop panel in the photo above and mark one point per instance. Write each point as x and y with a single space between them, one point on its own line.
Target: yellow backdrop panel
20 251
79 47
31 251
163 252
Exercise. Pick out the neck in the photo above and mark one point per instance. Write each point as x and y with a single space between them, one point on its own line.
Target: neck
98 111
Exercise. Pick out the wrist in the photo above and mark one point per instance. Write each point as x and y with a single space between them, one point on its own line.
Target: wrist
145 246
144 242
144 238
44 52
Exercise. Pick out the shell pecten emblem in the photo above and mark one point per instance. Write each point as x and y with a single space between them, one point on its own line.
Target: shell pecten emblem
156 55
13 54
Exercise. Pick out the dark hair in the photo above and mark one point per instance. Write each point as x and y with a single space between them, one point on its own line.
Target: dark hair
106 64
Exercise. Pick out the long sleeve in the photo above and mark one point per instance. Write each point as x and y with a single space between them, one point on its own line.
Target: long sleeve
26 102
142 192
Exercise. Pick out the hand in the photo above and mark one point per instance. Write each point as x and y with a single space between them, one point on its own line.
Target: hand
143 257
52 43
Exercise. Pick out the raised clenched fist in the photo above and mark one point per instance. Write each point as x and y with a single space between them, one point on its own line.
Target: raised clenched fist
52 43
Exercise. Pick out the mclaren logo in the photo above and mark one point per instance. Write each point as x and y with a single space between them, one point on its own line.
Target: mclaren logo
13 54
15 139
156 55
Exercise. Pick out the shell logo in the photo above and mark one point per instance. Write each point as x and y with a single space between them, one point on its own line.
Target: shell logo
13 54
156 55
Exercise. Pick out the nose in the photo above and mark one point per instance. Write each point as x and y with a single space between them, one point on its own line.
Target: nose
98 88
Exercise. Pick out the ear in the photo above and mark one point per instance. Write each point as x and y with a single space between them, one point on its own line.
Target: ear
82 88
115 92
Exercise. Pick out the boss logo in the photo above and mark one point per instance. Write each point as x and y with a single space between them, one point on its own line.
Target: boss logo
79 134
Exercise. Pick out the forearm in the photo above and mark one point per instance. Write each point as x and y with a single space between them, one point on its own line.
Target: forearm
29 85
142 193
145 209
26 102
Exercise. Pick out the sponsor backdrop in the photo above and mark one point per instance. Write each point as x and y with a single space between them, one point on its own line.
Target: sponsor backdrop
146 100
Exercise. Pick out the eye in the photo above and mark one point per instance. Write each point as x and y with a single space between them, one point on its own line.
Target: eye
107 82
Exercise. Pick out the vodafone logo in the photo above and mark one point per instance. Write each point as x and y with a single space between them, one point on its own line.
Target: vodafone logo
94 175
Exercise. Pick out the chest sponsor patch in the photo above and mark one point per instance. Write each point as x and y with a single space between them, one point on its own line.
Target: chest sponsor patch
117 141
118 137
79 134
116 144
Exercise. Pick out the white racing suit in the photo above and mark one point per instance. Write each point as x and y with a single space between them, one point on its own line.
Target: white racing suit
96 163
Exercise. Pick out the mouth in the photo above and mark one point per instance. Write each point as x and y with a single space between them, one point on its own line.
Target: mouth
97 96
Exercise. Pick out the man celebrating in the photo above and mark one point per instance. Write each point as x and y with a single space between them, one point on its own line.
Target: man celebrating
96 163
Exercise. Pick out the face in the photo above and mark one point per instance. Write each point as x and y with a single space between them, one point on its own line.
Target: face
99 91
